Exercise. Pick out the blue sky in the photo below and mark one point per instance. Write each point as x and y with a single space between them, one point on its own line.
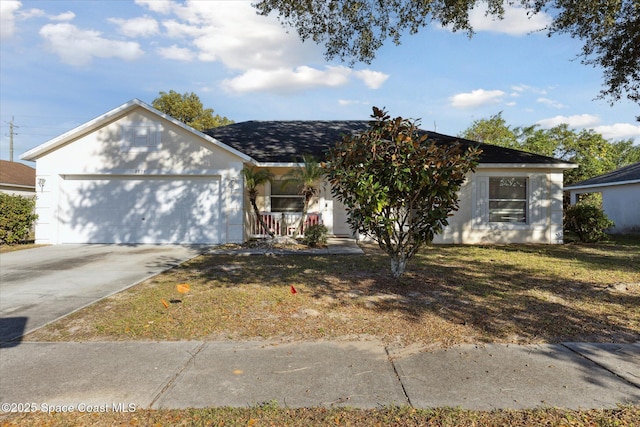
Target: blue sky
63 63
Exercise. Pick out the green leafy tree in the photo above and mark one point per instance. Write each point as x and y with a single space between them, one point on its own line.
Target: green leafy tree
493 130
189 110
16 218
399 188
355 29
590 150
307 178
587 221
253 178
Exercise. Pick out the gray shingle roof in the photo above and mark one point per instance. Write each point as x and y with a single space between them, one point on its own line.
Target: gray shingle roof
625 174
287 141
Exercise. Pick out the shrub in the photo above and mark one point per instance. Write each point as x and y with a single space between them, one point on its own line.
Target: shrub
587 221
315 235
16 218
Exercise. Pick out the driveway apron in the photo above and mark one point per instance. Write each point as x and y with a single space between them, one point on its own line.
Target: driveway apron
40 285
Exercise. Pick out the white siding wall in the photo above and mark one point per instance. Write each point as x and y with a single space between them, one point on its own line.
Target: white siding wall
470 224
104 152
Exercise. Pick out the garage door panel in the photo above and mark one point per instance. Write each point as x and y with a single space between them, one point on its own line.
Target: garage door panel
140 210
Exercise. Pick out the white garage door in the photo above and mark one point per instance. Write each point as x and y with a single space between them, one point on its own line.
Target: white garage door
133 209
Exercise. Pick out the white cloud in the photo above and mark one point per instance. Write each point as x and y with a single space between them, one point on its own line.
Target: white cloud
577 120
521 88
31 13
7 17
287 80
78 47
176 53
264 56
143 26
63 17
175 29
232 33
159 6
373 79
476 98
619 131
347 102
550 103
516 21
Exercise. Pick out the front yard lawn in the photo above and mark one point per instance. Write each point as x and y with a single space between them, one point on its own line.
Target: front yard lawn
269 415
449 295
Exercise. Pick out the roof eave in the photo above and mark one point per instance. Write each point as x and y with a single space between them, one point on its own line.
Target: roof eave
604 184
278 164
8 184
39 151
562 166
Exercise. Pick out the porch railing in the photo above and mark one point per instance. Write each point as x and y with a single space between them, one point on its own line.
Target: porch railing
281 223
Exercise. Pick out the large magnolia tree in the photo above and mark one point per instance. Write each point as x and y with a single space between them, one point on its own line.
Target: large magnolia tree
399 188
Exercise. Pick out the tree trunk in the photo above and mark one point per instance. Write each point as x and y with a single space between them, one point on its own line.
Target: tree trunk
260 220
398 265
301 223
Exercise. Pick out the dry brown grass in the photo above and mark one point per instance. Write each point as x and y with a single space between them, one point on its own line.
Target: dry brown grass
18 247
450 294
271 415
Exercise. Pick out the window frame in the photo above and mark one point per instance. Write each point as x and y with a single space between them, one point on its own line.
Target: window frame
134 132
292 194
525 201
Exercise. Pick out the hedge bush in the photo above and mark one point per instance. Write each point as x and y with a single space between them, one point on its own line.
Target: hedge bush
587 221
16 218
315 235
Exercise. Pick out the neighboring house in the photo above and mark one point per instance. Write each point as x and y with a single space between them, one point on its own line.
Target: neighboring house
136 175
620 190
17 179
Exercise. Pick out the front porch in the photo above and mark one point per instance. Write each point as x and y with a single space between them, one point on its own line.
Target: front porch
281 223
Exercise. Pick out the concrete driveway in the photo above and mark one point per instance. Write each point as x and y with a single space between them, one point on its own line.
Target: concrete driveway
40 285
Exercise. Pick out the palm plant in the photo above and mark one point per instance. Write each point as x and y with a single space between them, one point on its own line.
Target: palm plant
254 177
306 177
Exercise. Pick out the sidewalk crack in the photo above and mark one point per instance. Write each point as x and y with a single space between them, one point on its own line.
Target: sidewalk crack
395 370
600 365
178 373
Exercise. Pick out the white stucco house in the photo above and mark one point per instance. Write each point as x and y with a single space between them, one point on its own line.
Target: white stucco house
620 190
136 175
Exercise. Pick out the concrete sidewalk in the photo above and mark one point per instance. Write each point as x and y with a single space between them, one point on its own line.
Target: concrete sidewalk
357 374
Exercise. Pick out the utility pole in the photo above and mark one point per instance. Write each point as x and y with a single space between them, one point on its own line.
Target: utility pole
11 133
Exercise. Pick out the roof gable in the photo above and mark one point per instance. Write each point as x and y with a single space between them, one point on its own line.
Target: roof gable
628 174
15 173
117 112
272 142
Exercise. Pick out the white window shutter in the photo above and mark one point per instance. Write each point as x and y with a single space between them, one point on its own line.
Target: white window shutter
481 214
538 199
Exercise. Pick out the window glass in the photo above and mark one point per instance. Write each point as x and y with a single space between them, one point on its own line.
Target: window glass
286 198
508 199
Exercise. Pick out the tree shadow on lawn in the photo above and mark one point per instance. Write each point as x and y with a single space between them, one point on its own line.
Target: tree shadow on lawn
500 302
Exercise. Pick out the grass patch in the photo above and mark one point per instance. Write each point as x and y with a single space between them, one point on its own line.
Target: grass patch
449 295
18 247
269 415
